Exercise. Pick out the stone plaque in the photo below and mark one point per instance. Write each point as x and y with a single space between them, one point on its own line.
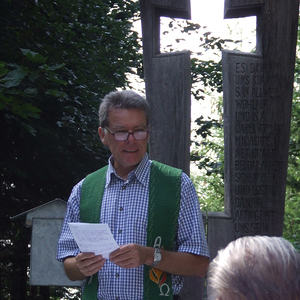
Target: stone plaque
241 8
44 268
219 232
253 188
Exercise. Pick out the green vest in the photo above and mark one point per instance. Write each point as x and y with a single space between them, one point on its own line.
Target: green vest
164 200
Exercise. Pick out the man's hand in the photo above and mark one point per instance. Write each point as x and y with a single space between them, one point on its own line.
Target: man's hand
131 256
89 263
83 265
178 263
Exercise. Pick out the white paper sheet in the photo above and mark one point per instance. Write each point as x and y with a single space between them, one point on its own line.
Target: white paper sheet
96 238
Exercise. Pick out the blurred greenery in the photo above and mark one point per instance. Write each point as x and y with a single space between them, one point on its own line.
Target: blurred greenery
57 60
292 201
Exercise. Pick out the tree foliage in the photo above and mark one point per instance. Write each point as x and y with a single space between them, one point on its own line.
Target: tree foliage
57 59
208 155
292 200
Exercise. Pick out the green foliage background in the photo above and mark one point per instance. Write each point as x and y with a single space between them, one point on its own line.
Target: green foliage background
57 60
292 200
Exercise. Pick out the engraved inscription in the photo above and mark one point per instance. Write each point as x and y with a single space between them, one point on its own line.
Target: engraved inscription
254 143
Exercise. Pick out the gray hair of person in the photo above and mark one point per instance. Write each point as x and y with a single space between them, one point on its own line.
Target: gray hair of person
255 268
125 99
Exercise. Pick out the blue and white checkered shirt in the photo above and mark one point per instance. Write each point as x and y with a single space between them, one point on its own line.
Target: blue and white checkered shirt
124 208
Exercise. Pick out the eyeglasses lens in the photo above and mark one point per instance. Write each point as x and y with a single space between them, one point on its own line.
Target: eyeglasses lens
138 135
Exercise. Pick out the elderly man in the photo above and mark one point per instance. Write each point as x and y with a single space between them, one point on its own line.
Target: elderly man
152 210
255 268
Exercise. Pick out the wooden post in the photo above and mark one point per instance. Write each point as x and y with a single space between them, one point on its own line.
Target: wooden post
168 86
168 90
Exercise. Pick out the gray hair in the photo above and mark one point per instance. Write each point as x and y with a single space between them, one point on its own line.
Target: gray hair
125 99
255 268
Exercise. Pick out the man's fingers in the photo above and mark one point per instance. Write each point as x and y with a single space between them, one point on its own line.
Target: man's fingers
92 268
87 258
89 263
84 255
121 251
119 259
127 263
127 256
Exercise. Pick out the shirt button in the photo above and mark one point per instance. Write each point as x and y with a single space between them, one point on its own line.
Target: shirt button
120 231
123 187
117 275
121 208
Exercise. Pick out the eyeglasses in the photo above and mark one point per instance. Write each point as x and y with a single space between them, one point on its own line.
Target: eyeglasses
122 136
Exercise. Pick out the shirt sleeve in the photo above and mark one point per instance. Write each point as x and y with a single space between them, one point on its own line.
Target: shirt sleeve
66 244
191 234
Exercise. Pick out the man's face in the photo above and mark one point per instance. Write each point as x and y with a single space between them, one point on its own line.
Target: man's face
126 154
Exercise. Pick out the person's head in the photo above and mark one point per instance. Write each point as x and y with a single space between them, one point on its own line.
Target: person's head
255 268
120 113
126 99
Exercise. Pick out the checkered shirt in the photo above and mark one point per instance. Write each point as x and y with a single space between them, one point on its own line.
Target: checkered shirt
124 208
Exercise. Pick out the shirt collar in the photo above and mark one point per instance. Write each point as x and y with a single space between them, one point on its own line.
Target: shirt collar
141 172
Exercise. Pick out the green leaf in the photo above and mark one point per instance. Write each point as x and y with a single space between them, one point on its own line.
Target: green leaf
52 68
14 77
4 101
29 129
33 76
34 56
26 110
55 93
31 92
57 80
3 70
18 107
